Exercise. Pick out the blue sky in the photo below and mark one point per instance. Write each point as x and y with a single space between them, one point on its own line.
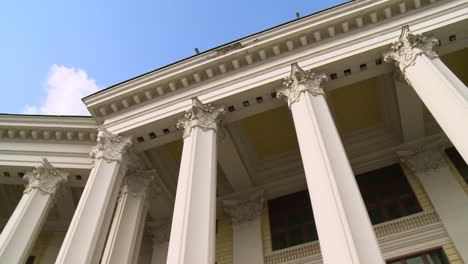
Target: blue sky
52 53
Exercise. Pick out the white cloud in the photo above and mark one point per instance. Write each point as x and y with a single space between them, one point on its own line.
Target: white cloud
65 87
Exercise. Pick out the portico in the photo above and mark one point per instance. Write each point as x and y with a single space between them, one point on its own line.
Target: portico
195 161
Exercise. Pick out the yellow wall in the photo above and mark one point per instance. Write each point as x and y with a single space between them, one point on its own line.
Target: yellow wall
267 248
418 189
224 240
452 254
421 195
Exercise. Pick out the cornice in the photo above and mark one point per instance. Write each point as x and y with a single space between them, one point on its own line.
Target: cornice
373 40
64 129
319 28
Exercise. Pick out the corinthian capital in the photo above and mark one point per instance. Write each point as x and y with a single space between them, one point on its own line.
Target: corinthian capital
110 147
300 81
243 211
138 183
204 116
46 178
426 158
405 51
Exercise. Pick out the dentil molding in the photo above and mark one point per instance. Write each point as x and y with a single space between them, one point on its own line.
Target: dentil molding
46 178
409 46
204 116
300 81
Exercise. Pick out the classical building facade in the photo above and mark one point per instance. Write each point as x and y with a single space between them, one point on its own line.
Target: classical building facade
340 137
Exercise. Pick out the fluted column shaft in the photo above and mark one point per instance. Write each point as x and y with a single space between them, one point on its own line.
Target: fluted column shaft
85 238
344 229
23 227
444 95
126 233
192 237
429 164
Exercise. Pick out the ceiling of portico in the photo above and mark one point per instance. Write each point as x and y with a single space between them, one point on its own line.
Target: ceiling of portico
457 62
356 106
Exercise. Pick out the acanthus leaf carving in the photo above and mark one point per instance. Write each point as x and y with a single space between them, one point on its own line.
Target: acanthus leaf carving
204 116
245 210
110 147
408 47
138 182
46 178
300 81
426 158
161 233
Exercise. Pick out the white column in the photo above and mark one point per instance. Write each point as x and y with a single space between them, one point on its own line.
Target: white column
23 227
193 222
86 235
444 191
247 229
344 229
160 244
442 92
126 233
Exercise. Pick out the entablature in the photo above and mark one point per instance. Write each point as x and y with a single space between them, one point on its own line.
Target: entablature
337 57
337 28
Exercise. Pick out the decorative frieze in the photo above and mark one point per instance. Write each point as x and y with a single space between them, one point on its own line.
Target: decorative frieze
46 178
110 147
212 64
244 211
300 81
405 51
204 116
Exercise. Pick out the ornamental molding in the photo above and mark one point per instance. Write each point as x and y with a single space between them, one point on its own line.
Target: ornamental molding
110 147
426 158
301 81
45 178
161 233
205 116
137 183
329 25
246 210
409 46
47 129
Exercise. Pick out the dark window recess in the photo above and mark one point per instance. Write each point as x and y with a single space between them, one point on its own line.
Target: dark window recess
430 257
387 194
291 220
458 161
30 260
333 76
